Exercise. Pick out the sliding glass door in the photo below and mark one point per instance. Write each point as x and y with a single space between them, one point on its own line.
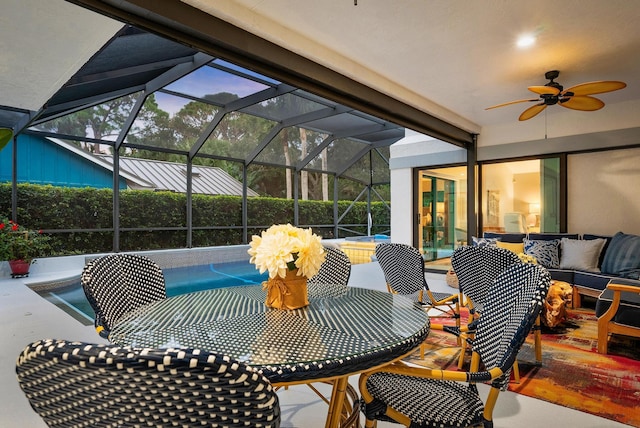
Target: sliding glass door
441 214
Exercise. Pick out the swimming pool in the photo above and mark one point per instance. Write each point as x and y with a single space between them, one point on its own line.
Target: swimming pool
178 280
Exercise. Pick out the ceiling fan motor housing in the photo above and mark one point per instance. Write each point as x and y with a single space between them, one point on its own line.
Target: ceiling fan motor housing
550 75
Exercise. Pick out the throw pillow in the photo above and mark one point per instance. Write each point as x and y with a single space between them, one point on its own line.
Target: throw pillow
545 252
516 248
622 256
580 254
481 242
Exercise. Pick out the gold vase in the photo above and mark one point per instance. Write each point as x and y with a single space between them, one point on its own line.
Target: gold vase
289 292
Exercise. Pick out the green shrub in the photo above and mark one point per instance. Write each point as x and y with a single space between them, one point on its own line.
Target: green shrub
80 220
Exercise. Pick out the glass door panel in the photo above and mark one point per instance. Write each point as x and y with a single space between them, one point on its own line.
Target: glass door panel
442 211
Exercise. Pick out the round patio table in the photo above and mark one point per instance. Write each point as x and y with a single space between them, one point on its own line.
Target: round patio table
330 339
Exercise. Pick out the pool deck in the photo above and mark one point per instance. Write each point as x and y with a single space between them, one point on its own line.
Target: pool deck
27 317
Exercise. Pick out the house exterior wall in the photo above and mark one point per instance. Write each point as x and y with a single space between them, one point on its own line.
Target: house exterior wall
602 186
602 192
41 162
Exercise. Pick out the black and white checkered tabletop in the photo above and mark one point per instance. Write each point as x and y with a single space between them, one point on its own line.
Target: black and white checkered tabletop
330 337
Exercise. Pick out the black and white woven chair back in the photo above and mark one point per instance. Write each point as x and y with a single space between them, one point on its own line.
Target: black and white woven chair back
119 283
73 384
476 268
403 267
510 310
333 276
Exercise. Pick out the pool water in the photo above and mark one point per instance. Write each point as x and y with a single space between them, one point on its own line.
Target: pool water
177 280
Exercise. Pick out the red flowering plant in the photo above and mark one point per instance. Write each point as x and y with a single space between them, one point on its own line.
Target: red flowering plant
19 243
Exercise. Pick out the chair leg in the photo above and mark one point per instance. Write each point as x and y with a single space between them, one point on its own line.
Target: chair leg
603 337
516 372
575 299
463 351
537 334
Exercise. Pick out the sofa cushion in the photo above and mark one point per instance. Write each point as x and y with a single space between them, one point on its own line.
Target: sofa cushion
580 254
623 256
592 280
545 252
505 237
588 236
511 246
481 242
562 275
551 236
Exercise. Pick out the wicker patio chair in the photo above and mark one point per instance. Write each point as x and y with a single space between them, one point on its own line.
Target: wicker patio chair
333 276
403 268
421 397
74 384
119 283
476 268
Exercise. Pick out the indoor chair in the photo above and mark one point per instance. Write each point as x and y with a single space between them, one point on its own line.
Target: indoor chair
421 397
74 384
333 276
119 283
618 311
403 268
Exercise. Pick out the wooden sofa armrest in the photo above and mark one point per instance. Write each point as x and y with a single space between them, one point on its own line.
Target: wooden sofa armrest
623 287
605 319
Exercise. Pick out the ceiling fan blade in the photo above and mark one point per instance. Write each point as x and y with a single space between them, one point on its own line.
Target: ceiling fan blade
511 102
584 103
599 87
532 111
544 90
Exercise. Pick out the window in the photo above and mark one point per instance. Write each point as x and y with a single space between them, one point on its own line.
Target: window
521 196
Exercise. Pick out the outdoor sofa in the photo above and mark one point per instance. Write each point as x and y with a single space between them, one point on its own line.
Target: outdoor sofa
581 260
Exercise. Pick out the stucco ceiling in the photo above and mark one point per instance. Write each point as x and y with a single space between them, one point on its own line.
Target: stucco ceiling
449 58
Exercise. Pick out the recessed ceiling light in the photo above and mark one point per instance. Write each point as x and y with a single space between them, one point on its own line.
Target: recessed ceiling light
526 41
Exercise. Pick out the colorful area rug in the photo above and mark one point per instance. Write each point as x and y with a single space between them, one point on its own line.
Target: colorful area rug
572 373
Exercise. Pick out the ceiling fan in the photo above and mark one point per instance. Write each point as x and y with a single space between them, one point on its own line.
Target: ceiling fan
576 97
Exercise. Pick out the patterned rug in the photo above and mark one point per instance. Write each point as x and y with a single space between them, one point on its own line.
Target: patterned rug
572 374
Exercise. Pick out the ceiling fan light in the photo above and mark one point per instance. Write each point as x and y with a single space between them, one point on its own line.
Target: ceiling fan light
526 41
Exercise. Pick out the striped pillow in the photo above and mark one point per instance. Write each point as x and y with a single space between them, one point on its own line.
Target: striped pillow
623 255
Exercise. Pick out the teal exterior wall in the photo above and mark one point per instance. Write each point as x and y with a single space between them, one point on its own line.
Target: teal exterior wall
41 161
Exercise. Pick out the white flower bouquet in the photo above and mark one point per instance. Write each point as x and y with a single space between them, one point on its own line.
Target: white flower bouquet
283 248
